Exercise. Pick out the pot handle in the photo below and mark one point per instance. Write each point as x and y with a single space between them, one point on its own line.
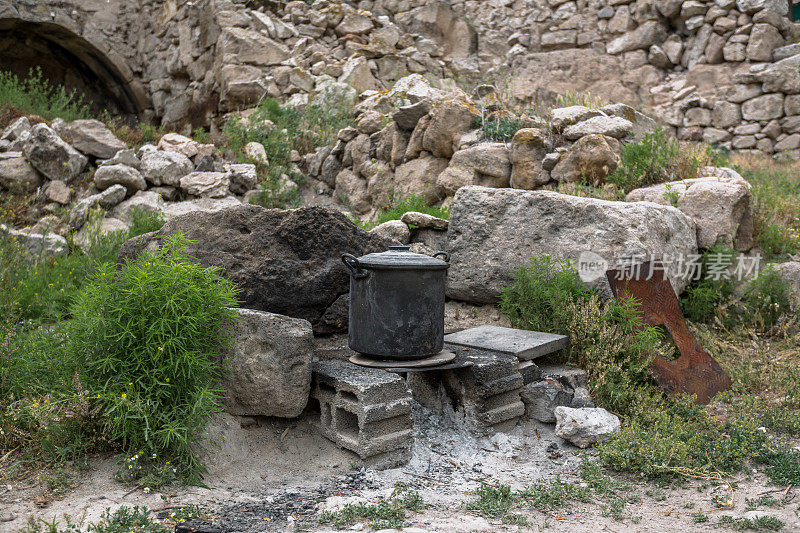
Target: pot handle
445 254
351 262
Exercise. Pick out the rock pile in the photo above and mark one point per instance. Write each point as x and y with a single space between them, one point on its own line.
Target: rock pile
416 139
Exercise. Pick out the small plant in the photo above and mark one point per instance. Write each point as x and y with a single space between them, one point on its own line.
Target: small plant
646 162
672 195
699 518
400 206
712 287
765 299
571 98
35 95
127 519
761 523
386 514
150 335
498 129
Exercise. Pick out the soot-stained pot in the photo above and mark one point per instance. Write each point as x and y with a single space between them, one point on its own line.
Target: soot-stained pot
397 303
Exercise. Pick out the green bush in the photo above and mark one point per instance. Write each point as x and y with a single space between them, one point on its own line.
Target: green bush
645 162
765 299
36 96
150 335
538 297
498 129
704 296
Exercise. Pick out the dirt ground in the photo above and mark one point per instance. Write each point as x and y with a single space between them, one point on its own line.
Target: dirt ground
278 475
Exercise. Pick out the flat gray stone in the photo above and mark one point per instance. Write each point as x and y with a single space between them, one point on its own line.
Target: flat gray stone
525 345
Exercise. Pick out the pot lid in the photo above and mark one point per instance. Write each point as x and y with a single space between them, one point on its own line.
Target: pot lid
400 257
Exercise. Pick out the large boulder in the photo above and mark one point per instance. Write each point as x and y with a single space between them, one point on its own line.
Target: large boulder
269 365
17 175
493 232
175 142
90 137
283 261
719 204
585 426
51 156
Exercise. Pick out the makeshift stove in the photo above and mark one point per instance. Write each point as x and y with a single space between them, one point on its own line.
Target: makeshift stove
398 352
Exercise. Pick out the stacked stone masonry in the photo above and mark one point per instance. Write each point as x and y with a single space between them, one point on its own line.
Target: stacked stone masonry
723 71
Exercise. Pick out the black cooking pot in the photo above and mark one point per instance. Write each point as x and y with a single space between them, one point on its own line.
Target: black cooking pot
397 303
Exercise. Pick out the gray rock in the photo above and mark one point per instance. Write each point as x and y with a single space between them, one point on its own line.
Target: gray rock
528 149
616 127
90 137
243 177
645 35
541 399
752 6
581 398
17 175
407 117
571 377
124 157
423 221
493 232
284 261
58 192
393 230
718 203
642 124
487 164
149 201
130 178
200 205
790 272
763 107
36 246
83 238
107 199
591 158
270 365
567 116
165 168
586 426
16 130
51 156
206 184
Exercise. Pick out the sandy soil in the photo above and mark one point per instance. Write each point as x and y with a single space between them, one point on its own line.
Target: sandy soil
277 474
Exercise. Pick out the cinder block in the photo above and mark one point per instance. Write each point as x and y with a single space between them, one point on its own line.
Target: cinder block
365 410
485 395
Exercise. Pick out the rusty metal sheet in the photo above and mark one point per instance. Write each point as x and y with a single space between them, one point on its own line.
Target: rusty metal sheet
695 371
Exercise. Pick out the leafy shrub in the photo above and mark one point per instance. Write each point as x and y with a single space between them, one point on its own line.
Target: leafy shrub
537 299
703 297
150 335
400 206
36 96
499 128
766 299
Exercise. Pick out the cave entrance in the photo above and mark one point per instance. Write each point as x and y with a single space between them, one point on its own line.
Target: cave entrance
69 60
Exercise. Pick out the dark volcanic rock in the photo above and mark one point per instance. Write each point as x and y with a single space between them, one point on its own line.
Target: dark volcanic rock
284 261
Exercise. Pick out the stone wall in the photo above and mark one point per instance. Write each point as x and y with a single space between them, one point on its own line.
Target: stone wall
716 70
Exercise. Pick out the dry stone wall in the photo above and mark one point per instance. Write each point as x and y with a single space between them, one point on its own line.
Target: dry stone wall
721 71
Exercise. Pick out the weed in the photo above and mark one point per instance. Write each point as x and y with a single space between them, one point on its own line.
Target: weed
35 95
766 299
493 501
553 494
125 520
763 501
671 195
149 334
699 518
571 98
782 466
498 128
712 288
761 523
386 514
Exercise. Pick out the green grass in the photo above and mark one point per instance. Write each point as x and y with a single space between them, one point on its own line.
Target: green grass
291 129
498 129
400 206
761 523
34 95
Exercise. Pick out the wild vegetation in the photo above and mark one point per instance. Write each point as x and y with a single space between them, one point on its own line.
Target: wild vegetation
35 95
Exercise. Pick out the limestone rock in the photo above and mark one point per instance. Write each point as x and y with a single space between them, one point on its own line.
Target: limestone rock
616 127
752 6
270 365
642 124
148 201
420 177
719 204
256 152
58 192
528 148
765 107
36 246
243 177
353 192
567 116
106 199
764 38
165 167
206 184
130 178
240 45
647 34
174 142
19 129
492 232
199 205
586 426
91 137
83 238
393 230
591 158
487 164
450 119
17 175
424 221
51 156
790 273
284 261
241 85
357 74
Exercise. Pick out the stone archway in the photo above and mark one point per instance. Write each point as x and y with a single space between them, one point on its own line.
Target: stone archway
68 59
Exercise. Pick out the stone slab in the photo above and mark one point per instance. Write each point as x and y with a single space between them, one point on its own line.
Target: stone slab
525 345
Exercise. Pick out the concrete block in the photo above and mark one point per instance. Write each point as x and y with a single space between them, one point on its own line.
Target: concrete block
483 397
525 345
542 398
365 410
569 376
